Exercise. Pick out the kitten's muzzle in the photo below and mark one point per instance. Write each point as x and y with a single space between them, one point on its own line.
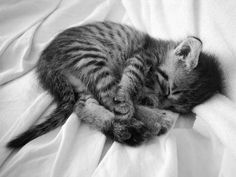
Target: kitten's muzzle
168 104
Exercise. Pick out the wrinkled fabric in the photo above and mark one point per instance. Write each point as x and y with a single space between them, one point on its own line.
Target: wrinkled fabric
203 147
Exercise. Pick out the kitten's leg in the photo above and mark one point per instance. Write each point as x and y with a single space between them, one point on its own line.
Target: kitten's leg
89 111
131 83
98 78
126 131
158 121
96 75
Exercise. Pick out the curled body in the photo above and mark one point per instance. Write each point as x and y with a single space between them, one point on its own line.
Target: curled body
110 74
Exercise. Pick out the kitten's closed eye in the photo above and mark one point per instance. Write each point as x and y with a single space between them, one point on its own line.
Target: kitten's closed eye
177 92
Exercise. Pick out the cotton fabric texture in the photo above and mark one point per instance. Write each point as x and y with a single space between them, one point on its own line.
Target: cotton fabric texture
205 147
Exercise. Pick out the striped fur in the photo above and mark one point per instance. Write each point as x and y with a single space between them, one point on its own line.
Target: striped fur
102 69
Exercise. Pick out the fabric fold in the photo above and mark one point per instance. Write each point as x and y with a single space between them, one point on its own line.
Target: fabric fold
203 147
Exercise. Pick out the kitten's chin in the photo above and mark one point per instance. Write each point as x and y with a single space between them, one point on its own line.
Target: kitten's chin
182 110
177 109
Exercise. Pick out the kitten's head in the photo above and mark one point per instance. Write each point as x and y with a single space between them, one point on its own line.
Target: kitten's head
188 77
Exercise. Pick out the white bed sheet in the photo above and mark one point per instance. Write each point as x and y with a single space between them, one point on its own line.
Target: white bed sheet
206 149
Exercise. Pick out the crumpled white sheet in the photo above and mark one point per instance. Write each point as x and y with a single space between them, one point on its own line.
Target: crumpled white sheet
204 148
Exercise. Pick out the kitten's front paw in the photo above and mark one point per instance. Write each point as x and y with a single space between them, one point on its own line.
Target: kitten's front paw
166 121
158 121
123 107
128 131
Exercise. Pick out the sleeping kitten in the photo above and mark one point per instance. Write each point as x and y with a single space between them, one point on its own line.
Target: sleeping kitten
106 71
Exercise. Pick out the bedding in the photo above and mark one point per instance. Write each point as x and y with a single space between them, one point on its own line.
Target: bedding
203 147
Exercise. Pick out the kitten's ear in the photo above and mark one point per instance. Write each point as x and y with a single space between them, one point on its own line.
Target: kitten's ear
188 51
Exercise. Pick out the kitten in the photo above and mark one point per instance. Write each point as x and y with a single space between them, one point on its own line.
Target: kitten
106 71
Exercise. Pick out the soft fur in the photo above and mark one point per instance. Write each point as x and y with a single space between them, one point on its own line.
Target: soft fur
115 78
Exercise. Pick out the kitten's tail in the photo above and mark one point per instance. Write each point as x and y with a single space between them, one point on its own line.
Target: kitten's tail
64 95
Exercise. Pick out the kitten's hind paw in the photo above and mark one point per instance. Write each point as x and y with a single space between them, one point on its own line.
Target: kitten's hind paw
128 131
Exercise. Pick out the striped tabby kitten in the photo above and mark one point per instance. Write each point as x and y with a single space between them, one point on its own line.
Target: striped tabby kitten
116 77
